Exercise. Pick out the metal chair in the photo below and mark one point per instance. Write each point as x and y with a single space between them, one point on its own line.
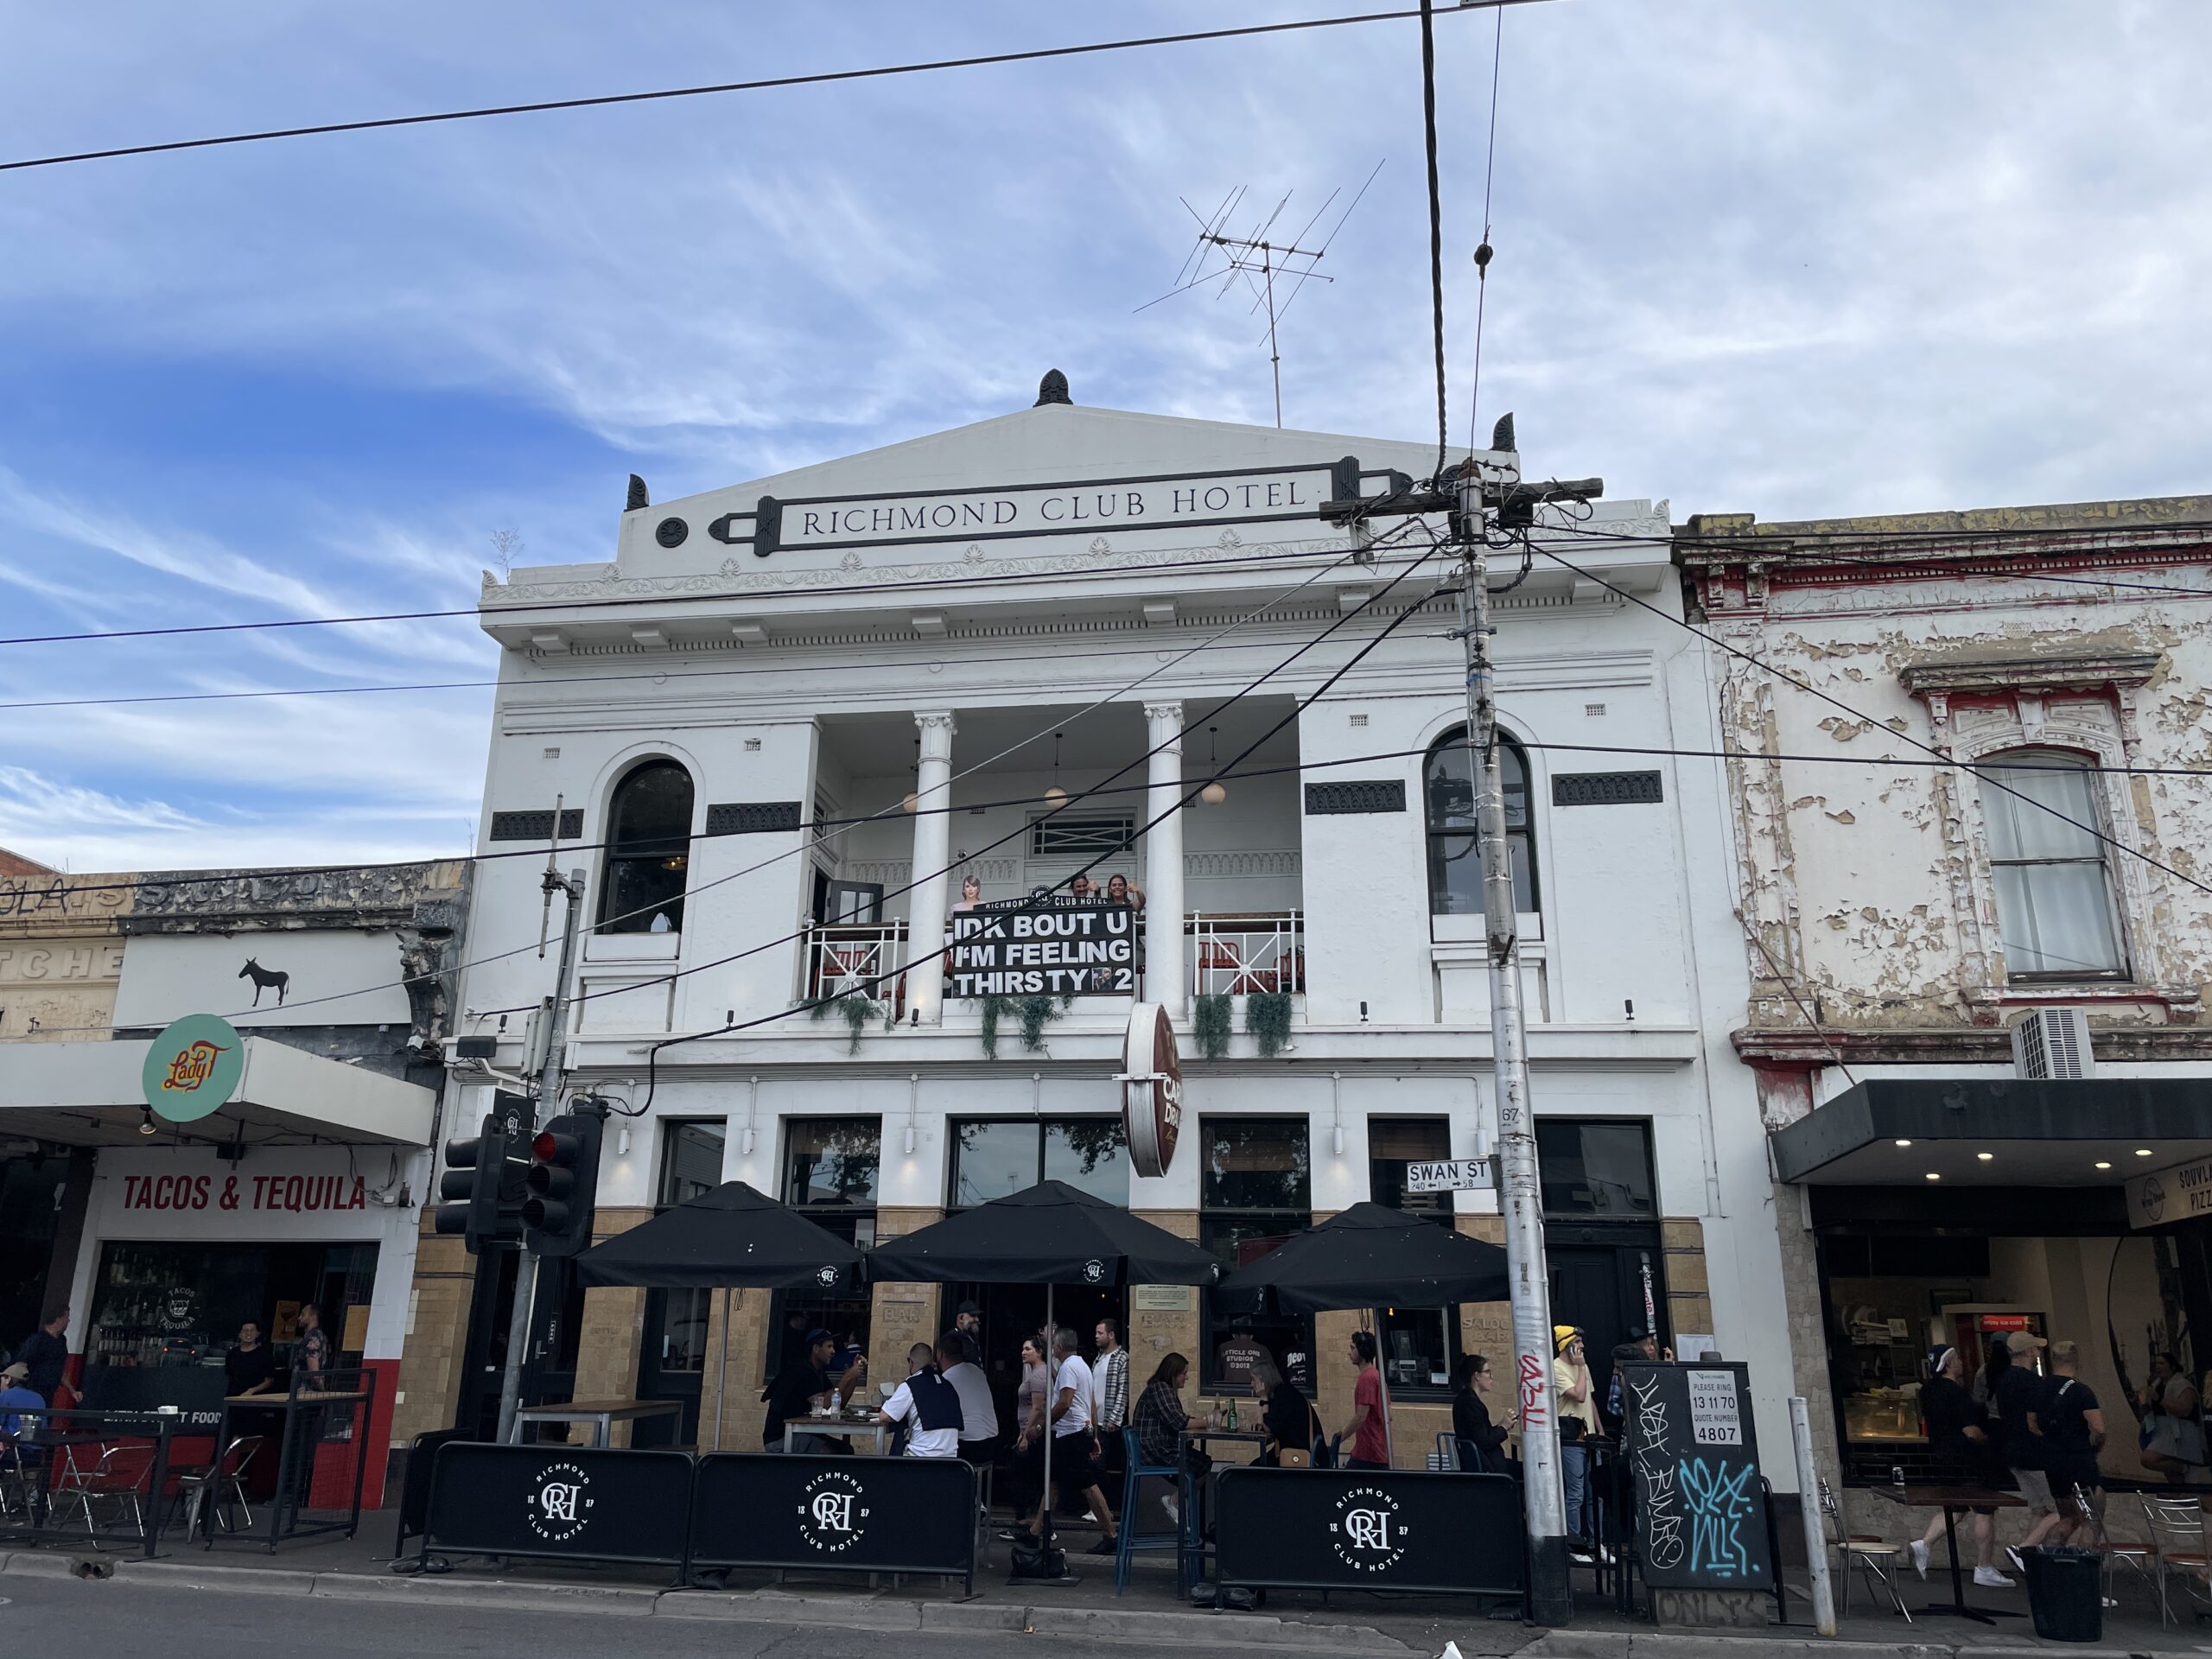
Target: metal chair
2176 1528
220 1485
121 1473
1445 1457
1874 1556
1129 1543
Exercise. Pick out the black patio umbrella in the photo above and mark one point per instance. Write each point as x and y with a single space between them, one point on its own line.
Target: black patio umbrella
728 1237
1050 1234
1371 1255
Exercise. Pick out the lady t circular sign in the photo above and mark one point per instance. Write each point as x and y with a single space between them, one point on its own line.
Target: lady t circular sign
1152 1088
193 1067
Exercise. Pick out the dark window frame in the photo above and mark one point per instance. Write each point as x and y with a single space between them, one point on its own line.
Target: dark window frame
853 1221
1219 1226
646 857
1042 1126
1441 839
673 1131
1643 1126
1436 1207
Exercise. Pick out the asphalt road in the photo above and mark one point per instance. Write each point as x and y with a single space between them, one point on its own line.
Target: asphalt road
59 1617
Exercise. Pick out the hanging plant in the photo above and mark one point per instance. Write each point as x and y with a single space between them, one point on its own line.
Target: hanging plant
1266 1018
996 1008
1209 1024
857 1009
1037 1013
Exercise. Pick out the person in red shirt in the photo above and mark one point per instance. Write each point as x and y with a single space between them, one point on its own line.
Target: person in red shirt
1370 1438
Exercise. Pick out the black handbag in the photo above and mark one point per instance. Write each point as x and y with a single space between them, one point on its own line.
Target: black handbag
1039 1561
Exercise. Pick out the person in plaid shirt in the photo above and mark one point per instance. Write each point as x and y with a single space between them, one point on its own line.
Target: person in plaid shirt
1110 1411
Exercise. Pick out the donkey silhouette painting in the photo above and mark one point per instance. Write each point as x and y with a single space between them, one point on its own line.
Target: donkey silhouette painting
262 978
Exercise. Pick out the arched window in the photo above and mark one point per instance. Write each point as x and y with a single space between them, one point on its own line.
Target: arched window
2056 916
1455 866
648 851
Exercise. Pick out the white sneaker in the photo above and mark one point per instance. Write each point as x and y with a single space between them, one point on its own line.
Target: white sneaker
1990 1579
1089 1516
1918 1547
2013 1556
1173 1513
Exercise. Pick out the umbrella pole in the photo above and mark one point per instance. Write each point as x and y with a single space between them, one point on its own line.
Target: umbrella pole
722 1371
1051 1399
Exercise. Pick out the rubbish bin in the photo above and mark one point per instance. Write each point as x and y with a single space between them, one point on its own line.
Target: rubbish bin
2066 1593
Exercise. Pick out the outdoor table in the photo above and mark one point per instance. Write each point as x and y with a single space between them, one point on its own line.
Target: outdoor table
846 1428
602 1414
1190 1551
299 1410
1952 1500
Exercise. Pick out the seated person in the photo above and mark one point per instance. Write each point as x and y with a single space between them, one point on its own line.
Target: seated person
15 1395
799 1387
926 1408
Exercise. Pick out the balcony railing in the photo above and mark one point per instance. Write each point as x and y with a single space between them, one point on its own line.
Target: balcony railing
845 955
1242 953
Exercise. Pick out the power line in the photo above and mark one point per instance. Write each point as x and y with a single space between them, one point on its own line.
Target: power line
766 84
655 676
1436 222
1483 251
1982 771
1648 751
932 584
803 847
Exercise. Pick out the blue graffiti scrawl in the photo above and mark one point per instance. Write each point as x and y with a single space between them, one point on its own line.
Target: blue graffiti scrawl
1719 1502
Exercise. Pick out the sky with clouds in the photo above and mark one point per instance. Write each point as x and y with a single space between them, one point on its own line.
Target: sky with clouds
1750 256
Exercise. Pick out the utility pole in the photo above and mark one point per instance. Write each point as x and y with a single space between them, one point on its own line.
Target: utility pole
1519 1194
550 1046
1480 488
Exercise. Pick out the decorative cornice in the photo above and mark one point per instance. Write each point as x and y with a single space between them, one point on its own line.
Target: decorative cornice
2033 675
1799 1047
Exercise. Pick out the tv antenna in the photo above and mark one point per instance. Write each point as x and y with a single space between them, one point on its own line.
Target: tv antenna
1218 256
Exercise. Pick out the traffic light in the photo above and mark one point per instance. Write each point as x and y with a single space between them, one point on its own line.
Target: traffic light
481 1189
562 1181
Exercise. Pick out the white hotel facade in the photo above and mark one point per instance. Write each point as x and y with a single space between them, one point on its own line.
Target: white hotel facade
732 711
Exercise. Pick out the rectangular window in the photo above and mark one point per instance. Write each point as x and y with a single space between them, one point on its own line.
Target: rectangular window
1418 1343
832 1161
1596 1169
1066 838
690 1161
830 1166
1255 1192
2055 916
992 1157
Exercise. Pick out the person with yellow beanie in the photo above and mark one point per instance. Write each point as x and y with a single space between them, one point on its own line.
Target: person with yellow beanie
1578 1422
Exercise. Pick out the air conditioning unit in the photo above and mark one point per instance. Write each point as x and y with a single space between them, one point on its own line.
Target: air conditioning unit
2053 1043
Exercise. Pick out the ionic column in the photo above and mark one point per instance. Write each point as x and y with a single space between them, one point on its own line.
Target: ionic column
925 905
1163 859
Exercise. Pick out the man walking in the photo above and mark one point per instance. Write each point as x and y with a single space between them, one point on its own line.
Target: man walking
1075 1467
969 1327
44 1355
2023 1396
1110 1405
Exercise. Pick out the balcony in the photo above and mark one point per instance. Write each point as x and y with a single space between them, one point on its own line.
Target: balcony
1237 954
840 957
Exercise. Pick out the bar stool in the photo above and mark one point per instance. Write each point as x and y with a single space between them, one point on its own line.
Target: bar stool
1129 1541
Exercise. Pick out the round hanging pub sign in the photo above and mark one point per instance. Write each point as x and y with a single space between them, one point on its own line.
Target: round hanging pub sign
1152 1088
193 1067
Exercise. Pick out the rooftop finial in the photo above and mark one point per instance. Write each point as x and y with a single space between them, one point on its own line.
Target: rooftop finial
1053 389
637 496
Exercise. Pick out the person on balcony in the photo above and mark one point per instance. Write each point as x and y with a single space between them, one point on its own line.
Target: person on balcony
1082 891
1119 891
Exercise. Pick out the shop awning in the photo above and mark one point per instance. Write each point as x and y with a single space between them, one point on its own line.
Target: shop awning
2089 1132
89 1095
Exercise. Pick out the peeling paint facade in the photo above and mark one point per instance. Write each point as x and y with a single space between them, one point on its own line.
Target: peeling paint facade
1869 671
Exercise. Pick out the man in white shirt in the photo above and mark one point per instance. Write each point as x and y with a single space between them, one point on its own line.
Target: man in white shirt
979 1413
1074 1460
927 1406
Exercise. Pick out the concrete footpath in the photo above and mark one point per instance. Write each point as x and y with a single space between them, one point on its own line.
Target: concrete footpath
1083 1613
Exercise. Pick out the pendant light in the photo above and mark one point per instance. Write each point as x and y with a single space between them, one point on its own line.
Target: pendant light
1213 794
1055 796
145 1120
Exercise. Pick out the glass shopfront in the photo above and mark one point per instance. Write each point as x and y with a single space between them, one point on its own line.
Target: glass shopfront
164 1314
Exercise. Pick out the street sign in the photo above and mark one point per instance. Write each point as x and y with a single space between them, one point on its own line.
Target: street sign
1452 1175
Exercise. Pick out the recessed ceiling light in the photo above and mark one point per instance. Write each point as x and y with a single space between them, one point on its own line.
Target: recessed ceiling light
1904 1143
1933 1176
1985 1156
2142 1152
2104 1165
